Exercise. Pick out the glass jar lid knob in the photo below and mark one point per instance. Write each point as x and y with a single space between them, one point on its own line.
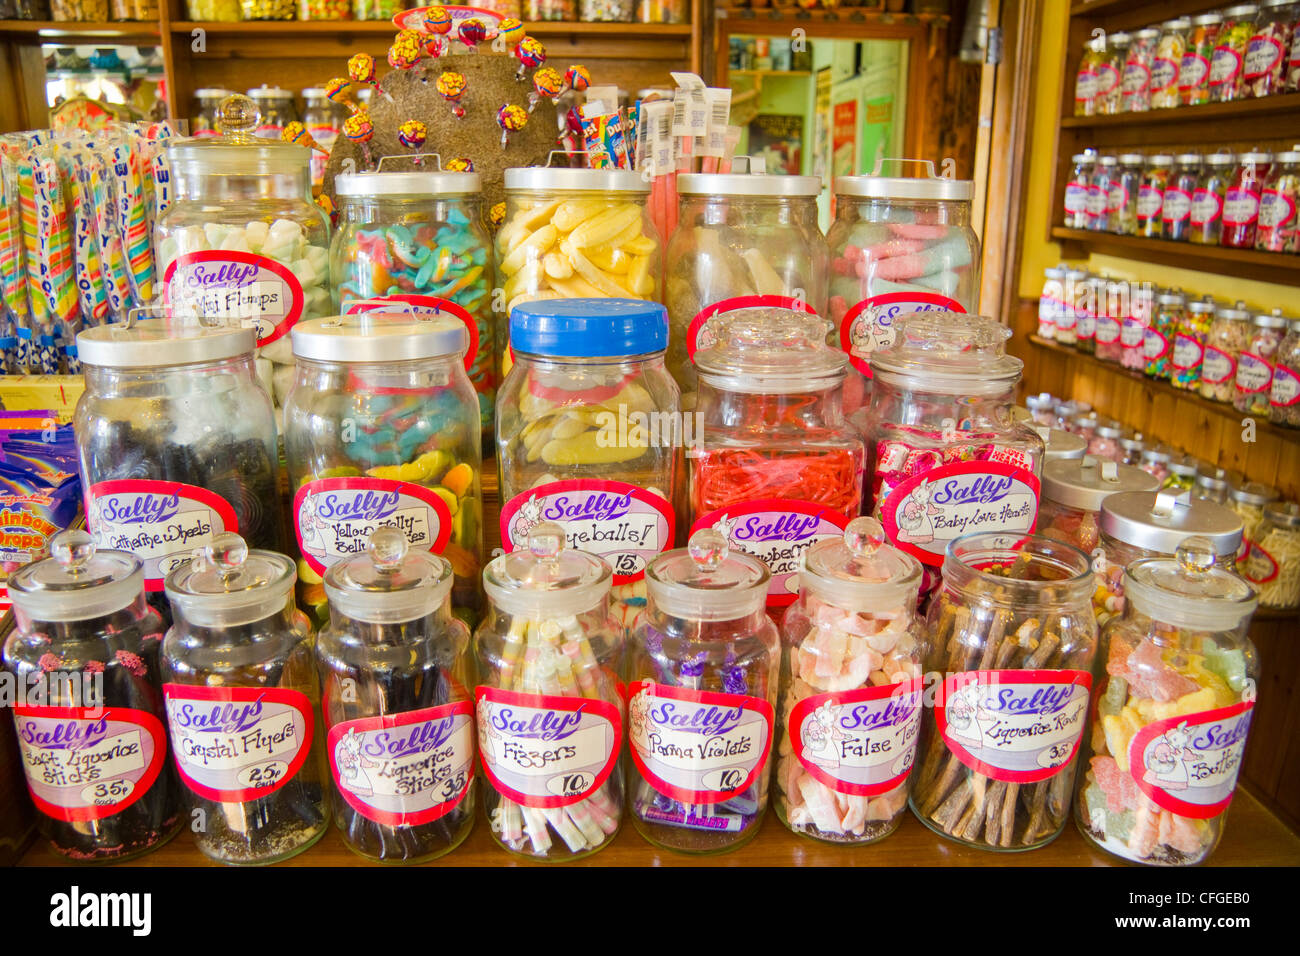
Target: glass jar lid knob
1195 556
74 550
237 117
864 537
388 549
546 541
226 554
708 548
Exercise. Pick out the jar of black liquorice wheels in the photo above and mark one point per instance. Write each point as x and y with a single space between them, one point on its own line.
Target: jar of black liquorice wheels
95 752
399 717
242 701
177 443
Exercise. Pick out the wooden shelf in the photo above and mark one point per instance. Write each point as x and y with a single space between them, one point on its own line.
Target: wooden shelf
130 32
1181 395
1279 267
1252 837
344 28
1285 104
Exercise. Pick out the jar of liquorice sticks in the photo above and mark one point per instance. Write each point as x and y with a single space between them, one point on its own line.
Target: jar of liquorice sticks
95 750
399 719
1013 635
702 691
549 712
242 703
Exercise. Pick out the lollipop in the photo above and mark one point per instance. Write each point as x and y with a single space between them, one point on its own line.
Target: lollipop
577 78
434 47
510 30
412 134
472 32
361 68
461 165
335 89
546 82
451 85
511 119
530 53
407 48
359 129
296 133
437 20
497 214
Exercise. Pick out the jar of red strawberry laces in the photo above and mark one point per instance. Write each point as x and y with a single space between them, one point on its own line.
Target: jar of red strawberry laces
946 457
778 466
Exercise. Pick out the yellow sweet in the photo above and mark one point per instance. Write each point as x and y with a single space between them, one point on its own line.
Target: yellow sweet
588 449
449 499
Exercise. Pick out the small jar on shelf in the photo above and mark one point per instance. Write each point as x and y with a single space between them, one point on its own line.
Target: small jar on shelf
1108 347
269 9
1228 61
1182 475
324 9
1067 321
1088 300
1242 198
213 11
605 11
1155 462
376 10
1189 345
1176 211
68 11
1207 200
1136 83
1247 499
1122 203
663 11
1099 192
1108 95
1131 448
1168 59
1133 328
1255 365
1085 78
1279 230
1051 301
1213 483
138 10
1284 394
1067 412
548 11
1151 196
1104 443
1265 65
1158 338
1076 192
1227 338
1272 564
1194 73
205 124
1040 409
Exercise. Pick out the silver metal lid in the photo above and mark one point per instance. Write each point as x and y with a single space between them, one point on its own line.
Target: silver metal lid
1077 159
1119 37
1159 521
1182 23
1085 483
1283 513
1241 10
1288 156
1108 161
754 184
1219 159
1202 305
1188 159
77 582
390 583
1147 33
379 337
929 186
589 180
158 343
1160 159
212 92
1061 445
1254 493
1131 159
228 585
1206 19
1171 297
314 92
1272 320
265 92
1257 157
407 183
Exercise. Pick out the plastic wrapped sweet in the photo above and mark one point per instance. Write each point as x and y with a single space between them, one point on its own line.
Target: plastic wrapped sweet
1173 707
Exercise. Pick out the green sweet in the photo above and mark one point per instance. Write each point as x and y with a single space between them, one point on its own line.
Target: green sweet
1112 702
1229 663
1118 825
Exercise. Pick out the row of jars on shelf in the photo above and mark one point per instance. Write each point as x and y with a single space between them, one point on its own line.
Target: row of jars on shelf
1270 526
1246 201
1244 51
592 11
1224 352
98 11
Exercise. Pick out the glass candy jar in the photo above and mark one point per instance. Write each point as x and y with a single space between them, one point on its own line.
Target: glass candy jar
1284 393
702 693
741 241
1135 86
549 710
276 109
243 699
899 245
1100 185
205 124
1194 73
1013 634
1085 78
587 435
1278 229
243 243
415 242
94 749
177 442
1241 201
1188 354
1076 190
1174 700
1272 564
1125 190
777 466
1176 210
382 428
1255 364
945 455
399 715
1051 301
1227 338
1170 49
851 685
1207 199
1227 64
1151 196
1108 98
1248 499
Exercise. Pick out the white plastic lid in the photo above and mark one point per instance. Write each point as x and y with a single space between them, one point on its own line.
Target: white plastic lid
707 581
390 583
77 582
228 585
1189 590
379 337
546 579
928 186
158 343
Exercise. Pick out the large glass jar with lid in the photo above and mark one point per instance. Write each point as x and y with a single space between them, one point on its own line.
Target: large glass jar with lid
550 659
1170 49
1013 635
177 443
1103 178
89 718
1067 320
1176 687
1207 200
741 241
1255 363
414 241
243 701
1151 196
1085 77
1268 50
1176 210
1284 394
899 244
242 243
397 702
1241 200
851 688
382 428
945 456
1227 338
703 671
1272 562
1076 190
589 435
1135 85
276 108
1227 64
576 234
1194 73
777 466
1188 355
1279 219
1122 202
1109 91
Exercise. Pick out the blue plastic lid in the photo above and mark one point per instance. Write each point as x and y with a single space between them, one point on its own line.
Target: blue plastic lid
579 328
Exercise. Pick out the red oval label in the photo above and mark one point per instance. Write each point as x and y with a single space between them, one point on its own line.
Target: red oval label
420 305
256 291
698 338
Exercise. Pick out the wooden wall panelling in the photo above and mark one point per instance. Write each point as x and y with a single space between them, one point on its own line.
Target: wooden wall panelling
1272 762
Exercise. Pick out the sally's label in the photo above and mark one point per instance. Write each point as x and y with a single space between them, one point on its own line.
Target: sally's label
1117 198
421 305
333 517
241 288
860 742
544 750
624 524
1254 374
1137 77
1177 206
85 763
698 746
777 531
1275 209
1189 765
1107 329
1188 352
1285 390
1262 54
1193 71
1107 79
926 511
237 743
1240 206
1087 326
700 336
1076 198
1154 345
1206 207
1085 86
161 522
1017 726
1225 64
1259 567
1164 75
1132 333
1150 199
869 325
1217 366
405 769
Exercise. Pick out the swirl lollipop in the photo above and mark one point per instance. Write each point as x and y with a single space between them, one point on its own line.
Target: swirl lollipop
407 48
511 119
437 21
361 69
472 32
460 165
530 54
434 47
335 89
359 129
412 135
451 86
510 30
546 83
577 78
